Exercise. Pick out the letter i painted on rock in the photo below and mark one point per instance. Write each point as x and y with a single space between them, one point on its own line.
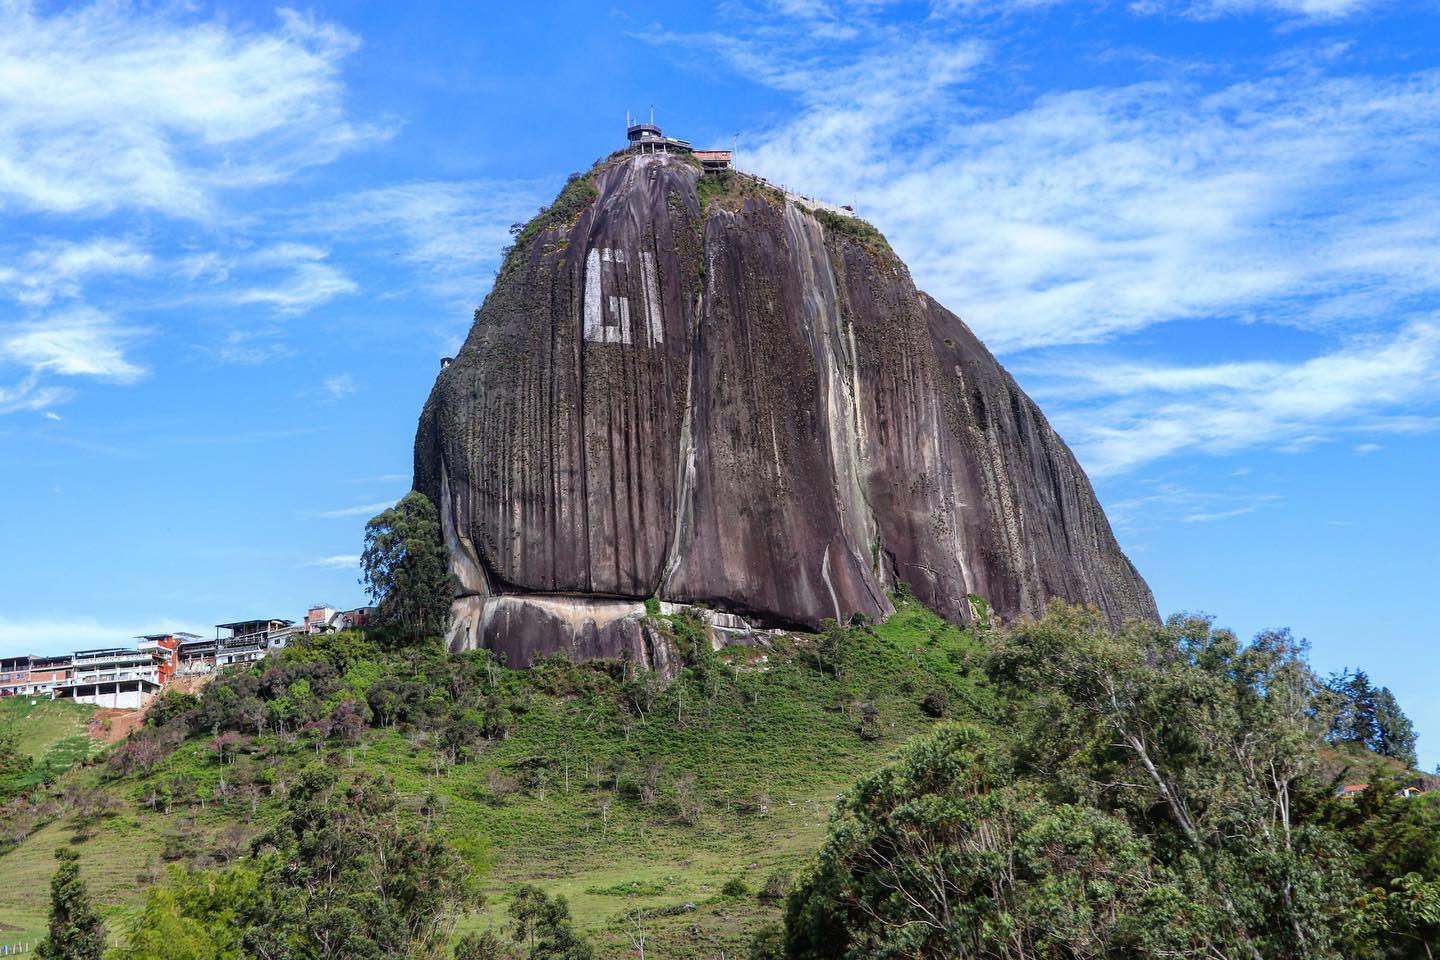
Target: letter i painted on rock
607 306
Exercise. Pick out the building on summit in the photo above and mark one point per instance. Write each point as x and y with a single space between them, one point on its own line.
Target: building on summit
647 138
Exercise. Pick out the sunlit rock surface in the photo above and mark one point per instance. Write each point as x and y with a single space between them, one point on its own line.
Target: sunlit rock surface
742 408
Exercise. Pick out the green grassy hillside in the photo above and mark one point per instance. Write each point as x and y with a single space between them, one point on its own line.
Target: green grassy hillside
53 733
604 787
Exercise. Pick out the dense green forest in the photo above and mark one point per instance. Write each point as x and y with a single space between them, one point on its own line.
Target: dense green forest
1046 789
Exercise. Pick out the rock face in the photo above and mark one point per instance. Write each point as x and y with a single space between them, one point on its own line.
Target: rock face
748 407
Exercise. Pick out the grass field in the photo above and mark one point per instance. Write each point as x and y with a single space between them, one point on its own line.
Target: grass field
52 732
730 773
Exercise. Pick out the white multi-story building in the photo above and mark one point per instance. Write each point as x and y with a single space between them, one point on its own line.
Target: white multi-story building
249 640
117 678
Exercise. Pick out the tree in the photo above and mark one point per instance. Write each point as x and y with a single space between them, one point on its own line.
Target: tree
1206 743
1394 734
941 855
542 923
1355 721
1401 922
406 568
76 932
191 916
343 876
480 946
831 647
170 706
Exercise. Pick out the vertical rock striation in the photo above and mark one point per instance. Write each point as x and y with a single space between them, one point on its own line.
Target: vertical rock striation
747 406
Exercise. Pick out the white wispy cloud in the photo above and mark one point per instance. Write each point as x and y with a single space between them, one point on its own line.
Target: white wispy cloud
452 231
304 281
179 108
76 342
339 386
137 110
1204 517
1214 9
344 561
1121 416
59 268
30 394
361 510
1170 501
251 347
1313 10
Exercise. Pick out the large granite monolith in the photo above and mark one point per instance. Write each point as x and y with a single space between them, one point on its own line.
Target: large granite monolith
743 404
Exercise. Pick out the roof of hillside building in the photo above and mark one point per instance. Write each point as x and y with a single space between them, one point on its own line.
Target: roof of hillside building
253 623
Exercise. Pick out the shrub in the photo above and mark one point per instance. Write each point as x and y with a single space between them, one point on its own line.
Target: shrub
936 703
139 753
735 888
853 229
777 886
171 706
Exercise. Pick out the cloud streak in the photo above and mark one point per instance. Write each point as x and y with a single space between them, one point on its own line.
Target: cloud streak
363 510
58 269
451 231
179 109
76 342
1121 416
345 561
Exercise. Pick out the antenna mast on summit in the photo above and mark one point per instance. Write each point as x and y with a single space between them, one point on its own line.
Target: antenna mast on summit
652 114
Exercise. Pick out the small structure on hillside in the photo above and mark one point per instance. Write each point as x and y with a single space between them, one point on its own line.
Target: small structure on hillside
714 160
1353 791
318 616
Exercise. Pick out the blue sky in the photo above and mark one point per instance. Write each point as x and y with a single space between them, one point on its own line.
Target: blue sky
235 241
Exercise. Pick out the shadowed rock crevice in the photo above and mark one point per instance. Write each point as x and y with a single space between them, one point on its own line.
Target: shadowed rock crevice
745 408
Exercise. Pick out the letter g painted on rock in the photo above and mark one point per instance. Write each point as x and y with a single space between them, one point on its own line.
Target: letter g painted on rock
607 301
